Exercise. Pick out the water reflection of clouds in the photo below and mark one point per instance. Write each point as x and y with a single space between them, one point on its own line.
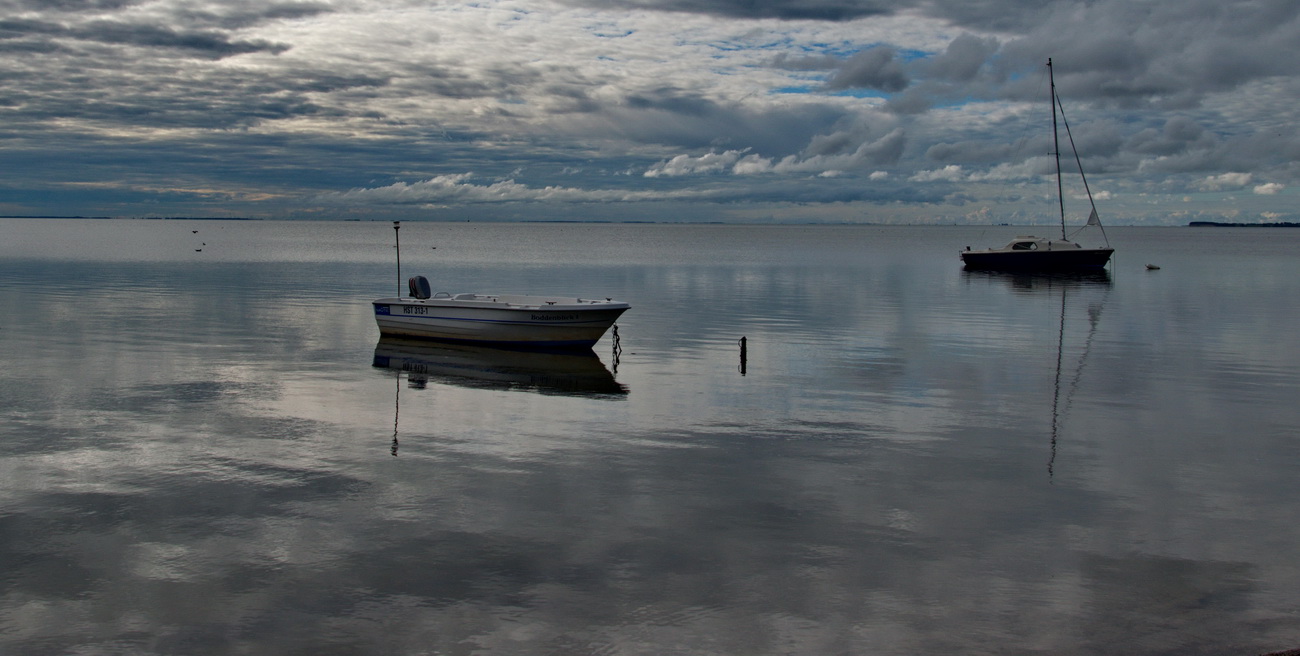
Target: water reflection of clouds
1041 282
879 471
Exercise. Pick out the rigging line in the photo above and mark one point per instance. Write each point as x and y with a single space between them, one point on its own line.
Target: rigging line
1094 316
1079 162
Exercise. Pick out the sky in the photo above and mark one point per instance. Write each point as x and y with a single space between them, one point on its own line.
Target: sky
758 111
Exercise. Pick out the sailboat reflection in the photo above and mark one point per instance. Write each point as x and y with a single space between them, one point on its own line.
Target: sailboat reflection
563 373
1025 282
1074 288
1063 392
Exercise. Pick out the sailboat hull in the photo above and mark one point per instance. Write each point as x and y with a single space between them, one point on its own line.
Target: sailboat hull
1074 259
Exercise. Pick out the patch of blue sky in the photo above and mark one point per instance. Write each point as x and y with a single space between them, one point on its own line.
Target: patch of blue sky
838 50
911 55
753 41
726 46
612 34
794 90
846 51
821 90
861 93
950 103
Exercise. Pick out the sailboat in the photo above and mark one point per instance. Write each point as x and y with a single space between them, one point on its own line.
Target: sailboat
1029 253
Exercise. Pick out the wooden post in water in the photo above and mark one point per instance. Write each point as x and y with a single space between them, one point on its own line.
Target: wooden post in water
618 348
743 355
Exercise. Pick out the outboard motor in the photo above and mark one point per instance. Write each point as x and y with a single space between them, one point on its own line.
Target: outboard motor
419 287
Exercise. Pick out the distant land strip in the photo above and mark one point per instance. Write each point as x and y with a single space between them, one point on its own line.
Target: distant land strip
146 218
1217 224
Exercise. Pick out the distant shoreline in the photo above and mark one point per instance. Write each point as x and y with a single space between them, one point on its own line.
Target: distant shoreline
1217 224
140 218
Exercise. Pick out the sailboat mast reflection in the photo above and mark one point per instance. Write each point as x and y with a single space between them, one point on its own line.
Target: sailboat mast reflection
1058 411
397 408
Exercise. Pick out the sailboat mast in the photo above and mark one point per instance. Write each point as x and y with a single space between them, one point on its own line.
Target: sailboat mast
1056 147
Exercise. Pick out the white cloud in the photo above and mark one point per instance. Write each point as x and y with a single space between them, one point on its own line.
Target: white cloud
1269 189
743 162
949 173
445 189
1225 181
687 165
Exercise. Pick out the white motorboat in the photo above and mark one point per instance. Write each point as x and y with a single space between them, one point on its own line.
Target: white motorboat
506 319
1029 253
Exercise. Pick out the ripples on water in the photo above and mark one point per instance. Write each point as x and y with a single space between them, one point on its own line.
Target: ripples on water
212 451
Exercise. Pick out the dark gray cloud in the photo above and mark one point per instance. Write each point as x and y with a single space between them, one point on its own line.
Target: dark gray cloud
73 5
963 58
211 43
234 15
200 42
824 10
876 68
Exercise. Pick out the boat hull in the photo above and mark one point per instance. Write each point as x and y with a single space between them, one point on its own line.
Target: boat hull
1076 259
485 319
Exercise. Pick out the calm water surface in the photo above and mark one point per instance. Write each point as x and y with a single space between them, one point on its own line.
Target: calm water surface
211 451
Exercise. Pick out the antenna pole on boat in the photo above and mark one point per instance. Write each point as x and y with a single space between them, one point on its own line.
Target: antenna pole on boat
397 226
1056 148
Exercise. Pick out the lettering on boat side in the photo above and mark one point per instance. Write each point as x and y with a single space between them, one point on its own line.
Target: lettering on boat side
554 317
381 309
414 309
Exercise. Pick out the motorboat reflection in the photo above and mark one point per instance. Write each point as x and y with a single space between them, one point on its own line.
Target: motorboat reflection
567 372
